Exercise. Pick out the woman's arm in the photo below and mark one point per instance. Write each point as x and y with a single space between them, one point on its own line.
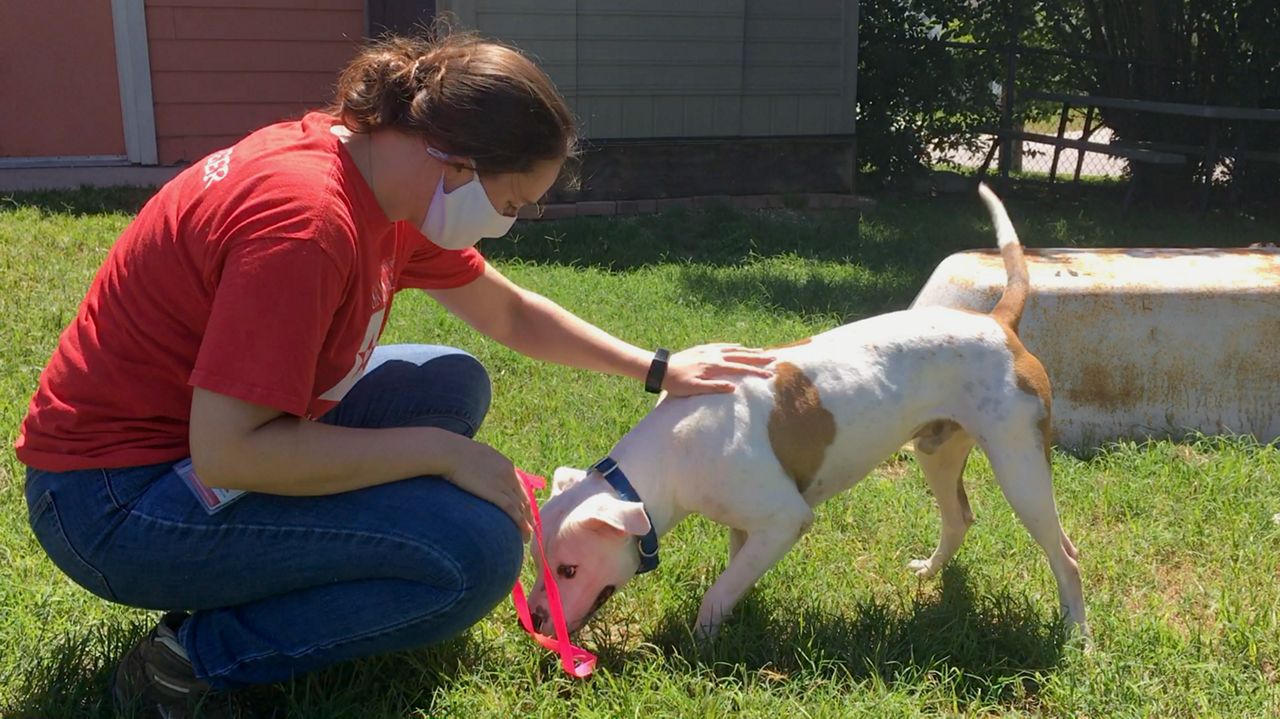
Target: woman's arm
539 328
240 445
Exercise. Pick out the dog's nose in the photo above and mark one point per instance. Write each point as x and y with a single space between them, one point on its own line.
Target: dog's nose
539 617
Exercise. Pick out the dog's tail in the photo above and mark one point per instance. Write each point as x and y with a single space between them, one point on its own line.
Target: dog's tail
1008 310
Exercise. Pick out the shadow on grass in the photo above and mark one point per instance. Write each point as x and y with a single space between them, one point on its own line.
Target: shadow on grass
901 231
834 262
716 236
73 678
989 648
846 295
83 201
851 265
800 262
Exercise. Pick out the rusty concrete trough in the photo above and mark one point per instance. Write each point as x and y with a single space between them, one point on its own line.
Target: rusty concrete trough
1142 343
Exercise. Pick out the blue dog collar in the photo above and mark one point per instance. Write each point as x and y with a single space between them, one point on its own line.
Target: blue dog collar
647 545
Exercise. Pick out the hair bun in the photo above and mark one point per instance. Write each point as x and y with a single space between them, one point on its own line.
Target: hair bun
398 65
471 97
436 62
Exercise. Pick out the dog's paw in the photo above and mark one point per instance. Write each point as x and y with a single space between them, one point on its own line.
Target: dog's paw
1080 636
705 632
707 625
922 568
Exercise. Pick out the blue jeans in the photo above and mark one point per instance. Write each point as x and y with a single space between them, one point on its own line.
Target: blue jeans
279 585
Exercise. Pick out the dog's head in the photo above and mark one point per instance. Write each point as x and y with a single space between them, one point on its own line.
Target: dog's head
589 535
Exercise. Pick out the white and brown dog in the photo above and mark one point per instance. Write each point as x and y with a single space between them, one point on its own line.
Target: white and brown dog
759 459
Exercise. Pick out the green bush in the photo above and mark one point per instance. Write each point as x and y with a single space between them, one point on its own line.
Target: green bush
915 92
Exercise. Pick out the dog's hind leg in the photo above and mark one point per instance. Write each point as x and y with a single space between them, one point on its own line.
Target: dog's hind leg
943 466
1069 547
1023 473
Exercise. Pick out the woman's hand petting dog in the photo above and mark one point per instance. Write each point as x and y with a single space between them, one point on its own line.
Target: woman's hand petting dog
703 369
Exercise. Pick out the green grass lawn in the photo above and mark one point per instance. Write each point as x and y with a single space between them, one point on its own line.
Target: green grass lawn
1179 552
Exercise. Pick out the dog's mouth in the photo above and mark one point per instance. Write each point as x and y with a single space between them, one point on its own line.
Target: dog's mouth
601 598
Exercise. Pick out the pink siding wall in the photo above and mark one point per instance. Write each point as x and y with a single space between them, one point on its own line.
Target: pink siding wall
58 82
223 68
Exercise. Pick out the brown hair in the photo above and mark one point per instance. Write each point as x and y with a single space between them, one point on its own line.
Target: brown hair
468 96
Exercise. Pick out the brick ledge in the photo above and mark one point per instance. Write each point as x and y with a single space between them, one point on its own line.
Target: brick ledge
608 208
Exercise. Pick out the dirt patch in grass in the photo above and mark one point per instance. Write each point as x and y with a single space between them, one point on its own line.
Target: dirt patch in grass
1176 594
1189 455
895 468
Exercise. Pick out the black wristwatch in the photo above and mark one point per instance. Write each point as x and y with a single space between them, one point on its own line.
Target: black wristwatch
657 371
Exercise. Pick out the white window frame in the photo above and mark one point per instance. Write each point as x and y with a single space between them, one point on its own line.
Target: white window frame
133 66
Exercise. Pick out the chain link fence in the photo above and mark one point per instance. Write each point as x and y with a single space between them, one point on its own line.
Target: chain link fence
1031 158
1038 157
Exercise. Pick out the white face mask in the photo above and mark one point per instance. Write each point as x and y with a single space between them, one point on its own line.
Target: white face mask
457 220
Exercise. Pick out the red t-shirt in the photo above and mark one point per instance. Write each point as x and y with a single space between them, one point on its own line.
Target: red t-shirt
265 273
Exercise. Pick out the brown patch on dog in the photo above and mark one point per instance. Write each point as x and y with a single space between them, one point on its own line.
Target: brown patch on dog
934 434
797 343
1032 379
800 428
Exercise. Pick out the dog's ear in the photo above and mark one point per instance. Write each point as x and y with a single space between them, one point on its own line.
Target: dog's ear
612 516
564 477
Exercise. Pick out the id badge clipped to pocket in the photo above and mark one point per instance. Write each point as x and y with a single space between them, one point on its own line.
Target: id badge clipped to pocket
212 499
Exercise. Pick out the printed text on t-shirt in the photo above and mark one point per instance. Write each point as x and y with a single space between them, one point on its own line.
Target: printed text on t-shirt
217 166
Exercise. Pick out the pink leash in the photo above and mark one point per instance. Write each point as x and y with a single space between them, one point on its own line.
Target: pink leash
577 662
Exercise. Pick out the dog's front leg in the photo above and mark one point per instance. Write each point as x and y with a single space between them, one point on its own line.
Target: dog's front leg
762 549
737 538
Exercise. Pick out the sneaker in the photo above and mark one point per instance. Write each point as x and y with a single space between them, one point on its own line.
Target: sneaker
156 679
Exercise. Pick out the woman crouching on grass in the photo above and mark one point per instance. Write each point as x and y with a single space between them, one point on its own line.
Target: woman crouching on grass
229 341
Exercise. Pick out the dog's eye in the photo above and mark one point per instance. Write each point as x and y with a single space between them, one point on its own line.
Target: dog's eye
567 571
